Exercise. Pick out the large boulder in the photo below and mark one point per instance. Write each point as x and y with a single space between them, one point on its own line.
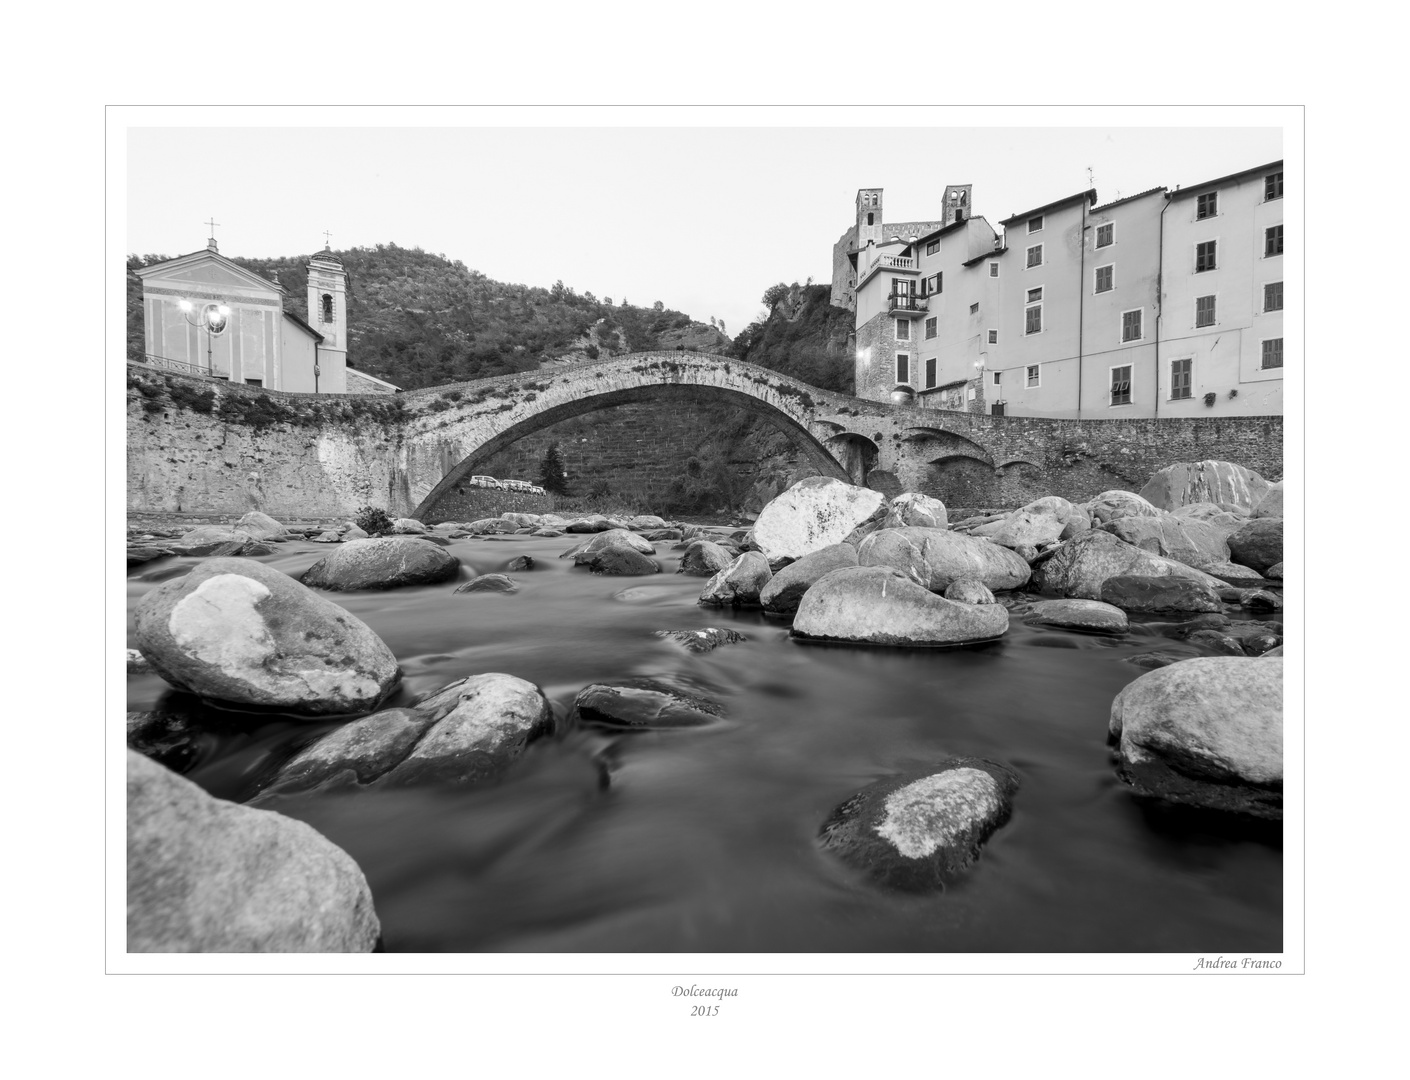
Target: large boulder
384 563
739 584
1272 503
260 526
495 583
611 552
611 538
479 726
241 632
1079 567
206 875
408 527
1022 529
1131 592
702 558
1212 514
1258 544
918 831
813 514
936 557
1195 543
1114 505
1091 615
913 508
1207 731
881 606
784 591
1205 481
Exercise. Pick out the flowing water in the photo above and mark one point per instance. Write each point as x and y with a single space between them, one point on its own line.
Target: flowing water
704 839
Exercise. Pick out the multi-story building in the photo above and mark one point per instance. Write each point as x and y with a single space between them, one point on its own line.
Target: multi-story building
1164 303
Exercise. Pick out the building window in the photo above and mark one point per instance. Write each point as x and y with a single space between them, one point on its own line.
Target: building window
974 309
254 382
1105 237
1273 296
996 409
993 337
1105 278
1031 375
937 283
993 269
1035 224
932 247
903 329
1121 385
903 367
1180 379
1033 319
1034 295
871 219
1207 205
1204 311
1205 256
930 326
1272 353
327 308
1035 256
1272 241
998 378
1272 186
1131 325
930 373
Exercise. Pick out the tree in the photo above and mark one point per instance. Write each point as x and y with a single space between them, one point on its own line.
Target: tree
722 326
773 294
712 321
658 306
607 300
552 476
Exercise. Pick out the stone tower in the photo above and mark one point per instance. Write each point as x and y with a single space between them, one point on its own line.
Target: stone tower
957 207
868 216
328 308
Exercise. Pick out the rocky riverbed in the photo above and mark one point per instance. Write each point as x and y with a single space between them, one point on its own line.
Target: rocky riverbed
499 730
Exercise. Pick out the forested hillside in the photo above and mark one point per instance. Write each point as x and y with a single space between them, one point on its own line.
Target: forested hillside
804 336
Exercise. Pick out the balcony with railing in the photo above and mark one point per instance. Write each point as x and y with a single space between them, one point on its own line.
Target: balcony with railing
894 263
907 305
167 364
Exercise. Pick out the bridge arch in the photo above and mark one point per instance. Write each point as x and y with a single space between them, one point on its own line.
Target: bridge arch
448 441
938 443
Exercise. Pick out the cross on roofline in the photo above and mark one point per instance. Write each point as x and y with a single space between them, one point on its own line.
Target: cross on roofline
212 223
327 240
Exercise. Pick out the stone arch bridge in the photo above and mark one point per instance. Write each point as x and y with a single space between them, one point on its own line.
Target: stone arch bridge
451 430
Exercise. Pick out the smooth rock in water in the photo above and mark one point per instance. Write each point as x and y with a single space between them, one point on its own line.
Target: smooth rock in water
1275 572
1090 615
969 590
1039 524
481 526
617 560
1258 544
241 547
880 606
1114 505
1234 575
366 748
618 538
739 584
1207 732
702 558
241 632
498 583
913 508
140 554
206 875
934 558
642 704
1131 592
521 521
1079 567
387 563
1155 659
523 562
1205 481
1194 543
917 832
785 590
1255 638
1263 600
408 527
352 532
1216 641
1272 503
544 531
328 537
645 521
814 513
591 523
260 526
137 664
704 640
480 726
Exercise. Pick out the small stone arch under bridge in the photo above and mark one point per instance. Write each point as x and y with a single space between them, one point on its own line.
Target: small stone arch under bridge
451 431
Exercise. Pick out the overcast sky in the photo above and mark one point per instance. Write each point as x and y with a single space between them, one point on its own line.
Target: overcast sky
701 218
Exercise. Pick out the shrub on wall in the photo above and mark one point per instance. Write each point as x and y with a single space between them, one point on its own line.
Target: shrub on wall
373 520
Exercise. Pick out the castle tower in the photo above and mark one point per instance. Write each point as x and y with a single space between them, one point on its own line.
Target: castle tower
868 216
328 314
957 207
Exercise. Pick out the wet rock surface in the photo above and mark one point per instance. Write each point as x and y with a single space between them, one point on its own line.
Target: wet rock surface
1090 615
784 590
383 563
740 584
642 704
704 640
880 606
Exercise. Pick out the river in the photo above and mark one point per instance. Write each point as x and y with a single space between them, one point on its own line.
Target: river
704 839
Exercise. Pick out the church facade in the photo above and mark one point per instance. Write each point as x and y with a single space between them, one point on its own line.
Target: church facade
204 314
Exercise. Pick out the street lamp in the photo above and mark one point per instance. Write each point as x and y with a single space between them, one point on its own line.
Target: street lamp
215 318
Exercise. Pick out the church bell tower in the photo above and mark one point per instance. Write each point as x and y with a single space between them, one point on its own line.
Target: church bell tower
328 309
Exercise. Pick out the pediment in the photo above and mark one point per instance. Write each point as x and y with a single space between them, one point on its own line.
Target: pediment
207 268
